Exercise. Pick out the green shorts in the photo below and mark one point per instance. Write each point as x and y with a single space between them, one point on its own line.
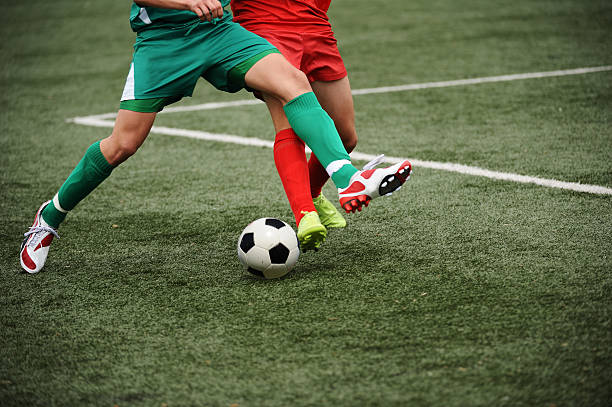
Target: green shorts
167 63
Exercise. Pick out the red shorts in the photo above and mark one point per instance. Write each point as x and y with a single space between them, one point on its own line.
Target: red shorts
314 53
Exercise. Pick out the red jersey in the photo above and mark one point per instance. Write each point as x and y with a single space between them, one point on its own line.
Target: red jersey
301 15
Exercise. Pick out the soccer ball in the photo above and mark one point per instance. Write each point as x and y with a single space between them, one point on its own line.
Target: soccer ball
268 247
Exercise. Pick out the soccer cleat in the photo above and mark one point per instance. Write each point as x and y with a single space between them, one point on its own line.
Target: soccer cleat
371 183
311 233
35 246
329 215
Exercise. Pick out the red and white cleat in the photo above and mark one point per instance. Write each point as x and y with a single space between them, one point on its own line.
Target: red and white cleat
35 246
371 183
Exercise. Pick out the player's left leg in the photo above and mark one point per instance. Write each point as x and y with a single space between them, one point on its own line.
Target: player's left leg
130 131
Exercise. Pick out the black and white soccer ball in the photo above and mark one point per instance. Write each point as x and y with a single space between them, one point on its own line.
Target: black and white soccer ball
268 247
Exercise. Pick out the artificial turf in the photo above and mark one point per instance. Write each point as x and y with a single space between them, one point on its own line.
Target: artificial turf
456 291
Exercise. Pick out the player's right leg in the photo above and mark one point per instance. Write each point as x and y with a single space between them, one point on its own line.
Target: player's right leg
130 131
292 167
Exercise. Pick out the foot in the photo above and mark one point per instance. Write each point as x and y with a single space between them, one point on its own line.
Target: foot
371 183
311 233
35 246
329 215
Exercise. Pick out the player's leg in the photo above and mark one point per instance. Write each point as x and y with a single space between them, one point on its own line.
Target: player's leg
289 154
290 160
327 73
130 131
274 76
158 76
336 99
324 67
258 65
243 59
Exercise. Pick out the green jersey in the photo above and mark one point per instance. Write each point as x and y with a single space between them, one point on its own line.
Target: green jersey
142 18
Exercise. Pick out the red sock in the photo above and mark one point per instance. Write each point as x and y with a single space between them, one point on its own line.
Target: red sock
318 176
290 160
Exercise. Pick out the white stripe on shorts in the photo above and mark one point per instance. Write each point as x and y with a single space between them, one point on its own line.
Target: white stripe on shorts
144 16
128 90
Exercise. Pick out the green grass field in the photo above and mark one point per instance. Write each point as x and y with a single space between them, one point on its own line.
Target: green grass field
459 290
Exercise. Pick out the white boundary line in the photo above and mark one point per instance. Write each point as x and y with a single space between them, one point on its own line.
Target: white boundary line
104 120
387 89
462 169
488 79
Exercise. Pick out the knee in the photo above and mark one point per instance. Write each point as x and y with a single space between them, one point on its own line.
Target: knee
300 79
294 84
128 149
119 149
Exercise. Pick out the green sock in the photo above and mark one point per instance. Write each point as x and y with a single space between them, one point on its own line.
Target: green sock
86 176
314 126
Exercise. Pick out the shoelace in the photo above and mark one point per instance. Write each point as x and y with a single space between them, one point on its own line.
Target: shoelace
37 229
373 163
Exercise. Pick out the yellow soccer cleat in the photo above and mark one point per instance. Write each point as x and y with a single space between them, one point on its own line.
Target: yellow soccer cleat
311 233
329 215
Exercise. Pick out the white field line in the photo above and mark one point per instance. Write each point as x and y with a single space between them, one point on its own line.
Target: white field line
387 89
488 79
96 121
103 120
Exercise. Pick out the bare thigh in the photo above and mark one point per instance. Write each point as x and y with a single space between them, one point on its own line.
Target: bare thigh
275 76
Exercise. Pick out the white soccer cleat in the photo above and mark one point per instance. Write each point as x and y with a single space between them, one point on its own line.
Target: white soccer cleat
35 246
371 183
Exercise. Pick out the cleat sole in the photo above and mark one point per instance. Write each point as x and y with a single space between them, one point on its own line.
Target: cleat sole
394 182
390 184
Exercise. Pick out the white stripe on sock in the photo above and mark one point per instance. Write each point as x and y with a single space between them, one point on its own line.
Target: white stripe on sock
335 166
57 204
